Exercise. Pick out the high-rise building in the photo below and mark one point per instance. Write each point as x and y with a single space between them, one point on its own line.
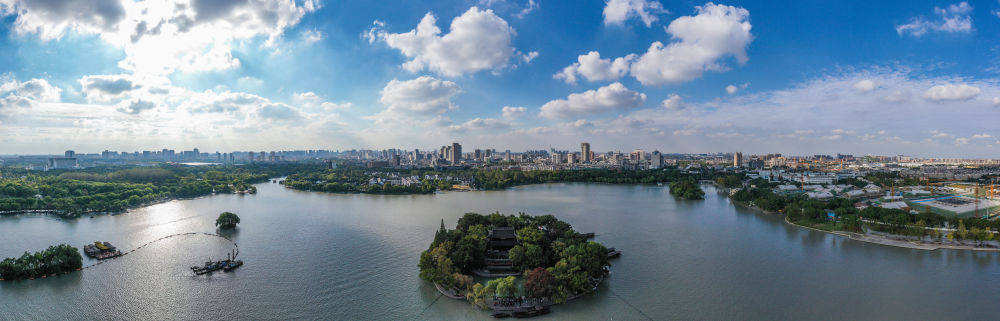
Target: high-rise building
737 159
456 153
70 154
655 160
585 155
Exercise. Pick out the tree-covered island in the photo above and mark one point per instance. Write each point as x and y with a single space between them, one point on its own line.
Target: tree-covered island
55 259
687 189
555 262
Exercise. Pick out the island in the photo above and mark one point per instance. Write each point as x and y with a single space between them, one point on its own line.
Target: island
56 259
227 221
686 189
533 262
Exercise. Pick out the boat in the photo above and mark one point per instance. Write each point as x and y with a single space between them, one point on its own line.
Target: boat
229 264
613 253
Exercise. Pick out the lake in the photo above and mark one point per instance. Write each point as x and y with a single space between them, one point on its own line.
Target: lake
312 255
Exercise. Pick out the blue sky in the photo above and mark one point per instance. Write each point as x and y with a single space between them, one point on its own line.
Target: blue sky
801 77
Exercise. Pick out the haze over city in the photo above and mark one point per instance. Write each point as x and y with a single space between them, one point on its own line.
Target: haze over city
877 77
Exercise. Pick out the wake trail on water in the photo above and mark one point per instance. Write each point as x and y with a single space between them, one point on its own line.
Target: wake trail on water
236 246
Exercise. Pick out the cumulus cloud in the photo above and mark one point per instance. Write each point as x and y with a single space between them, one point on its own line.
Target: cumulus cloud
175 114
311 36
481 124
477 40
28 92
613 97
160 37
703 41
593 68
511 112
107 87
864 85
951 19
617 11
716 32
313 102
732 89
673 102
951 92
817 115
420 98
136 106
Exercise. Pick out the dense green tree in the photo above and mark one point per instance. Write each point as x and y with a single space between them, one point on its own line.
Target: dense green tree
687 189
227 220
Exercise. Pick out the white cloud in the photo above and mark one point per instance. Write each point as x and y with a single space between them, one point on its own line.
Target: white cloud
951 92
104 88
732 89
939 134
951 19
716 32
477 40
142 118
481 124
982 136
617 11
613 97
312 102
311 36
996 101
703 41
160 37
28 92
528 57
673 102
864 85
135 106
511 112
528 8
419 98
593 68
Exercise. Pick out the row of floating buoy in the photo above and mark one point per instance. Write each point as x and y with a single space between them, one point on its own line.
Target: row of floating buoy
135 249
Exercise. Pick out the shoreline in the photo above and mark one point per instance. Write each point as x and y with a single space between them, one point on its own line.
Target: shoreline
878 239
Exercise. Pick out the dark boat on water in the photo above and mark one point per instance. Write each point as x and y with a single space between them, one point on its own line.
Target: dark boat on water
229 264
613 253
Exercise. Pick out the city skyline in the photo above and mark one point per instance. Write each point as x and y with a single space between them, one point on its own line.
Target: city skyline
915 78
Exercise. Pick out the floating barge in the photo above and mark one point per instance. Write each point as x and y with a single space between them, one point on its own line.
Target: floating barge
229 264
101 250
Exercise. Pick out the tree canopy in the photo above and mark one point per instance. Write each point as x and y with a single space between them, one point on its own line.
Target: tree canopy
227 220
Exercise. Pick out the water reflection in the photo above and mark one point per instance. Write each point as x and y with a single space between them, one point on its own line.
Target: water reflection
337 256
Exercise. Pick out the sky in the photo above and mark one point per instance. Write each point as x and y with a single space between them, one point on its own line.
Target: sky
804 77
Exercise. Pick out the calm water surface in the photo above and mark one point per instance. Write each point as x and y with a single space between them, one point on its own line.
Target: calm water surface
330 256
